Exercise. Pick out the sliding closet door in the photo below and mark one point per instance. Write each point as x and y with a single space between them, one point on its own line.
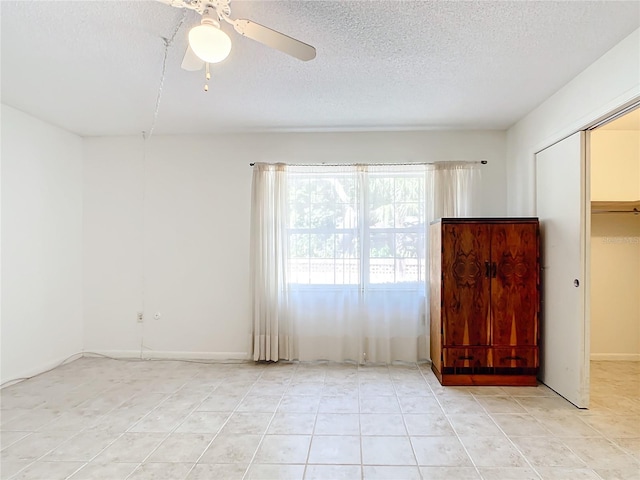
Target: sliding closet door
563 209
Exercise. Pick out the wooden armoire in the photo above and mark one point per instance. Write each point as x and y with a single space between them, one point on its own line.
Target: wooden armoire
485 298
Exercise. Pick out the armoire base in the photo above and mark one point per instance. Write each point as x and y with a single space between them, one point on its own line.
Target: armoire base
466 380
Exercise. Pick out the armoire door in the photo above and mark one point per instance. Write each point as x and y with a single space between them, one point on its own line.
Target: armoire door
514 284
465 284
562 197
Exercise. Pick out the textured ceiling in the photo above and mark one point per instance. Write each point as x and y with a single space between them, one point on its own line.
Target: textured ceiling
94 67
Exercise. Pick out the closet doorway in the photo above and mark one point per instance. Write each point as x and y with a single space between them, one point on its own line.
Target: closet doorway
571 343
614 151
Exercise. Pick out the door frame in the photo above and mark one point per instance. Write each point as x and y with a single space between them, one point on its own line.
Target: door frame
585 234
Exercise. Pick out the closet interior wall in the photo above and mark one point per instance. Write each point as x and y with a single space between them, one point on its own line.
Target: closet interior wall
615 243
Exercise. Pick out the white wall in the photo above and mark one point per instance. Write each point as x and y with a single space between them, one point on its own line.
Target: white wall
41 245
615 284
615 165
112 242
612 81
166 227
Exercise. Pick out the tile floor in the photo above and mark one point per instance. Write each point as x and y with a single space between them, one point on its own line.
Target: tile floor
106 419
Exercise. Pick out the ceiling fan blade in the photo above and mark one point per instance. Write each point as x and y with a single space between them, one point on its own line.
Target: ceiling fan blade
191 62
274 39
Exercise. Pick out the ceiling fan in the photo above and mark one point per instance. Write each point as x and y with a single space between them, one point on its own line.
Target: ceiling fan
209 44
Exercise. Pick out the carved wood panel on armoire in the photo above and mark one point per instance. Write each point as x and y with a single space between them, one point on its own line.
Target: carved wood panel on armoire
484 300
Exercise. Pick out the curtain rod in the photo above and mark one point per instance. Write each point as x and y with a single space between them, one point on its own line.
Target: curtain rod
483 162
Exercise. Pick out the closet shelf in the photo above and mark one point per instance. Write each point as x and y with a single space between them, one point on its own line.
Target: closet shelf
616 207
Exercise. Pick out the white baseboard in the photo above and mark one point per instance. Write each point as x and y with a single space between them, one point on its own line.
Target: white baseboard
616 357
42 368
119 354
169 355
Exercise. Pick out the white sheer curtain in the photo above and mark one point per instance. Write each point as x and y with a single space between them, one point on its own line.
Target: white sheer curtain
454 192
339 257
268 259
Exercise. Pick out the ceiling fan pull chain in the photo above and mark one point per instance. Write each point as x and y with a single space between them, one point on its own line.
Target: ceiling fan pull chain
207 77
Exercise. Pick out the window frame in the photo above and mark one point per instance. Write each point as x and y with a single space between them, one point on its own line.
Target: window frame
363 258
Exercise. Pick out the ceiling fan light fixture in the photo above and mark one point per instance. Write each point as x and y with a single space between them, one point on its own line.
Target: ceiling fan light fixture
208 42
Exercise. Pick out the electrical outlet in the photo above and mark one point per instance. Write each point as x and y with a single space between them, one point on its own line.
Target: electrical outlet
157 316
140 317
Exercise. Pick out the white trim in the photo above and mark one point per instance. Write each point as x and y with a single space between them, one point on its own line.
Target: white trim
169 355
616 357
118 354
621 113
595 117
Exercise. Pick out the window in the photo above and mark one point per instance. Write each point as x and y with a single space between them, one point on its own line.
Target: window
338 257
362 227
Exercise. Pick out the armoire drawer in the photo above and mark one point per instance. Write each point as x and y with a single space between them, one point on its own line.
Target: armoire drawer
515 360
465 360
